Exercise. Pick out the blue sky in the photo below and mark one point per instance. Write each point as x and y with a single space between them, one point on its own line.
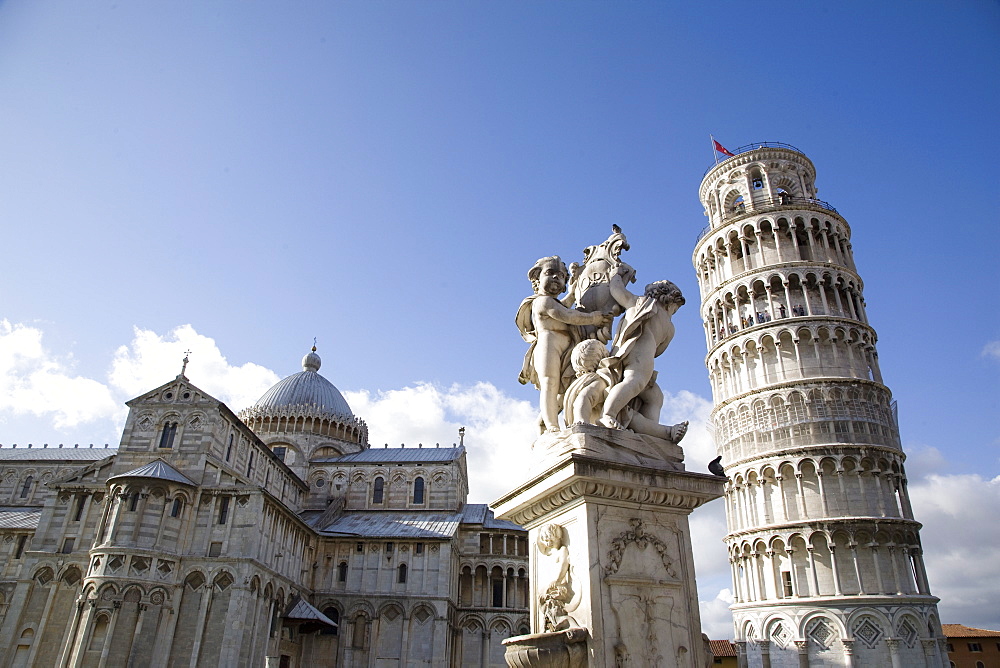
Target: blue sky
241 177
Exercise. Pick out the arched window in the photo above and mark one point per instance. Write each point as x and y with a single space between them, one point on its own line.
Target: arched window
402 574
378 490
341 572
99 633
167 437
27 486
229 448
334 616
418 490
175 509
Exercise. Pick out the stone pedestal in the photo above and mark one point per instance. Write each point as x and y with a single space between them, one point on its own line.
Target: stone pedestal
610 549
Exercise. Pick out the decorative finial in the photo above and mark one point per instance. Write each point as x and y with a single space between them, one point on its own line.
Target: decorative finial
461 436
314 344
185 361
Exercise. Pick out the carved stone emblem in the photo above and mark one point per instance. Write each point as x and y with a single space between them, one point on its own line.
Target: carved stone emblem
636 535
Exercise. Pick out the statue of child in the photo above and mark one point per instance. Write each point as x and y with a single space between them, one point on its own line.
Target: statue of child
551 328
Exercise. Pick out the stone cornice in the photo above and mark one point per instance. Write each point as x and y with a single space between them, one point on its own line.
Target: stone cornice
733 222
846 601
779 268
759 330
792 452
578 478
827 524
799 384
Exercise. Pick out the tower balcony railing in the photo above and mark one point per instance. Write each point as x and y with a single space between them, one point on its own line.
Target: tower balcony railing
764 205
753 147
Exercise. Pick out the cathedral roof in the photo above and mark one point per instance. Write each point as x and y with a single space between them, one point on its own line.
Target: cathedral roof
480 513
64 454
19 517
393 524
398 456
305 391
156 469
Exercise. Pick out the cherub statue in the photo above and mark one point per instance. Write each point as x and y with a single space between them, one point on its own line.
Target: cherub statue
551 329
643 334
559 599
584 398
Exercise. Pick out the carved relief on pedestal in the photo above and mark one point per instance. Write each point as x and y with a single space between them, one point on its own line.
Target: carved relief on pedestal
558 599
644 591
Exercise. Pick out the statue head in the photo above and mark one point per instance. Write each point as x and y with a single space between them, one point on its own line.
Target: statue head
549 276
665 293
550 538
587 355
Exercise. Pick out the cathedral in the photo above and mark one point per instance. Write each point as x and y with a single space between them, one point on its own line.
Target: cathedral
274 537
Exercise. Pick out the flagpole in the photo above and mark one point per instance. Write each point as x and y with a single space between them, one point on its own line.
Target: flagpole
715 154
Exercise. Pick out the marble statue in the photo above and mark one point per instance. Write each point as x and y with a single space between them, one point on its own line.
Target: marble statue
584 398
551 329
567 359
557 600
589 283
643 334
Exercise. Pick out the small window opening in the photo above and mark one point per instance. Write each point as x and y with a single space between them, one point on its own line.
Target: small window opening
20 546
223 510
786 583
334 616
498 593
402 574
418 491
378 491
26 488
280 451
167 437
342 572
419 548
229 448
80 501
360 547
68 545
175 509
133 501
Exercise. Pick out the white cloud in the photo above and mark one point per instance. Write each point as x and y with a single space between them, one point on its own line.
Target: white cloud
716 618
151 360
699 447
35 381
39 382
992 349
961 539
499 428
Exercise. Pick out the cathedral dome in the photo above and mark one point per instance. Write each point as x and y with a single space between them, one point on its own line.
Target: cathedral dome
305 403
306 391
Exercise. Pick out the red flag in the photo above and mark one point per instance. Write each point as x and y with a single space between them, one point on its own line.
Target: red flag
722 149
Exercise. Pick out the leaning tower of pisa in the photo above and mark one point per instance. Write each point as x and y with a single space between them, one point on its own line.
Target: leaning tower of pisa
826 558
